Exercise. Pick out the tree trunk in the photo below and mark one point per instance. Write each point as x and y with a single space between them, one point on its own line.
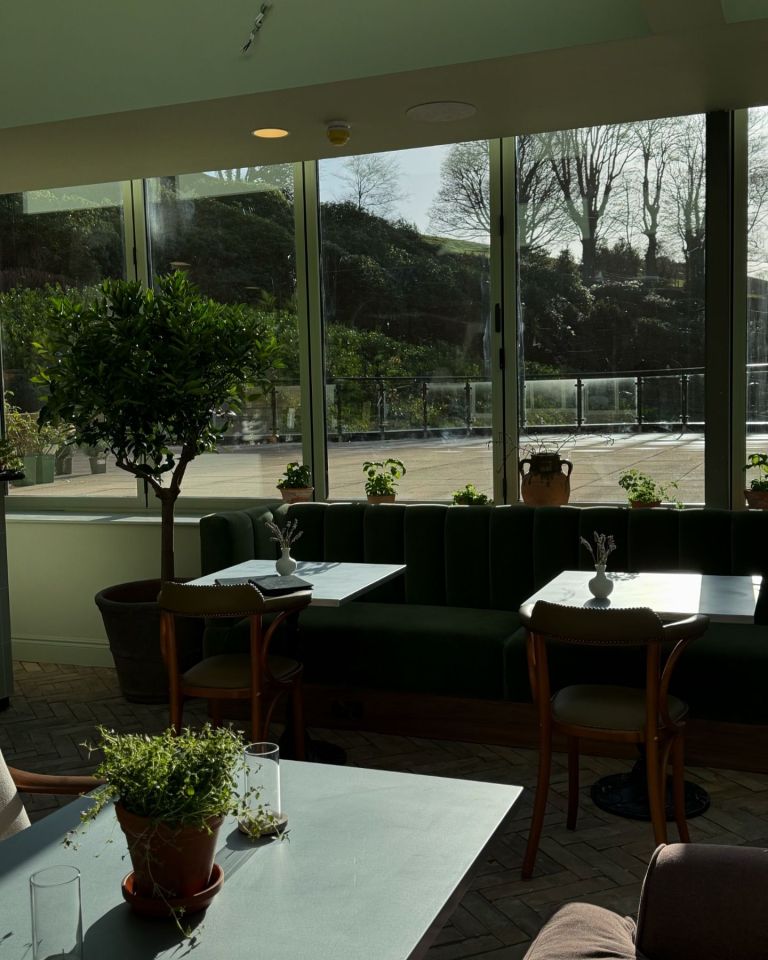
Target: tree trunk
588 247
167 506
651 257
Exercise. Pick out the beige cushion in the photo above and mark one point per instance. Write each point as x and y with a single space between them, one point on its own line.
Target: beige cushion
13 816
231 671
581 931
606 707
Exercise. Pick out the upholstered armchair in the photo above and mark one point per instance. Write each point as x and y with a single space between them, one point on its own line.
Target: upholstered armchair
698 902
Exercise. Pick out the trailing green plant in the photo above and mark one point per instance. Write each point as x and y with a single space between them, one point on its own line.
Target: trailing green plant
382 476
155 376
296 476
183 780
641 488
470 495
10 461
758 461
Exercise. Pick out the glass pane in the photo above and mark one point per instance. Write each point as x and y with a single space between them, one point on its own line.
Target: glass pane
405 270
232 231
757 289
70 238
611 261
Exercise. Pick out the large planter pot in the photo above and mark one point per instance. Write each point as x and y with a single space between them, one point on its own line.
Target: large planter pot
757 499
176 861
545 484
30 472
46 463
131 616
644 504
296 494
383 498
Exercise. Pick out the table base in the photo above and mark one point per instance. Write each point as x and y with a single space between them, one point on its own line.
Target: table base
626 795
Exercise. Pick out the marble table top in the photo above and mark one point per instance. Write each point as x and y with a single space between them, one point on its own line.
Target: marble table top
672 596
332 583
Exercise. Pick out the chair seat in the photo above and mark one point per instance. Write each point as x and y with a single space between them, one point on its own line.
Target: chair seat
606 707
232 671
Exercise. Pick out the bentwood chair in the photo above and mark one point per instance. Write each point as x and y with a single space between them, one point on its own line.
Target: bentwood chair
256 676
13 816
649 716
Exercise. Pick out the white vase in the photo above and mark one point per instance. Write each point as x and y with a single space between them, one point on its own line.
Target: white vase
286 565
600 586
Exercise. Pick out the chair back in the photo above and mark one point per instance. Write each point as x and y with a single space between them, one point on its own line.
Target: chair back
13 816
226 600
628 627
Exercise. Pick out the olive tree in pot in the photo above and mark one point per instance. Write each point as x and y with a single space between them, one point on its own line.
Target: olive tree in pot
152 376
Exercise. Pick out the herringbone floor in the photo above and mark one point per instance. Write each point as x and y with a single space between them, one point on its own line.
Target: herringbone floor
55 709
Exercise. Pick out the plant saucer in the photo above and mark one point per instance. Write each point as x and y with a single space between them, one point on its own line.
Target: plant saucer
170 906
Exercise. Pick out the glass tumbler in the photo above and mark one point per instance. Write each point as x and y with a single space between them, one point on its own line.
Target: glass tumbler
262 786
57 924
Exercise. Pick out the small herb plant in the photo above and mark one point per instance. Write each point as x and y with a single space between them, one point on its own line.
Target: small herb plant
604 547
182 780
470 496
285 536
382 476
758 461
641 488
296 477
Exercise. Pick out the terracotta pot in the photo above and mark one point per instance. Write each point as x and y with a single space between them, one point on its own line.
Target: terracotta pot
178 860
644 504
296 494
757 499
545 484
382 498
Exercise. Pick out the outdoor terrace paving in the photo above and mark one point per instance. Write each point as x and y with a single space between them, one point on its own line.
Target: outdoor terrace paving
436 467
55 708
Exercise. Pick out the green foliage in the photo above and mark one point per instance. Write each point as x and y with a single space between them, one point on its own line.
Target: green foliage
180 780
152 375
758 461
10 461
469 495
641 488
382 476
296 477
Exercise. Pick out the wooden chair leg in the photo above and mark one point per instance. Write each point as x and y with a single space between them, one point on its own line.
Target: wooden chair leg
297 706
257 734
678 788
656 791
539 806
176 705
214 712
573 782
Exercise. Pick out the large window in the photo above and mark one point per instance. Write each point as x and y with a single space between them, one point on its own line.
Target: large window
405 272
611 254
54 239
233 231
757 286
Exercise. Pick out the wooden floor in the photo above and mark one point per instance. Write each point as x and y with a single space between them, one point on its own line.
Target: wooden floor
55 709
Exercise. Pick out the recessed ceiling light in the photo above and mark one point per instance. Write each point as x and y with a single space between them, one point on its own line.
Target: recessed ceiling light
441 111
270 133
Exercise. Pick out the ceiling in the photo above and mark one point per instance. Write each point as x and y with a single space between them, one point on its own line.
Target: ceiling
88 96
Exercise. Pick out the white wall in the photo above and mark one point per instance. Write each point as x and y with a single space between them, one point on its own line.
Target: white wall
56 565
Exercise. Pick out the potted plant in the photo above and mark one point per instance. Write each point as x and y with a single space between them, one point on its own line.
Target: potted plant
757 492
381 479
152 376
470 496
11 463
171 793
545 484
643 491
295 485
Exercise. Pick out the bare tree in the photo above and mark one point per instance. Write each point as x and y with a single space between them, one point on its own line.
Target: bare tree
539 205
586 164
372 182
757 209
688 177
654 144
462 206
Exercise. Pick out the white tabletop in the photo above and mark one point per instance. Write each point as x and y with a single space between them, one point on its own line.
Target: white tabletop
374 863
332 583
672 596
